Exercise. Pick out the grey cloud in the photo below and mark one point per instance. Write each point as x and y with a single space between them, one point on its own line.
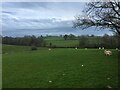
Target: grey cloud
56 31
23 18
25 23
7 12
25 5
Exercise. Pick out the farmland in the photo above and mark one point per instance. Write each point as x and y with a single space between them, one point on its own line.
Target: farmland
58 68
60 42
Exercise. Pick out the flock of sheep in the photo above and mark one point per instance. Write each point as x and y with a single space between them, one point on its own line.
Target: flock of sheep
106 52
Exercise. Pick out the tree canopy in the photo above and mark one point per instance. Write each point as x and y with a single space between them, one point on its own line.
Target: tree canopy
100 14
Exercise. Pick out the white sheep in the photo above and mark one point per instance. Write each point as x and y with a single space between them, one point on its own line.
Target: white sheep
103 48
107 52
99 47
76 48
85 48
49 49
50 81
116 48
109 86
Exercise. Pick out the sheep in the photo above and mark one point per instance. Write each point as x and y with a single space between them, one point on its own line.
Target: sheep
99 47
116 48
49 49
103 48
50 81
107 52
76 48
85 48
63 74
109 86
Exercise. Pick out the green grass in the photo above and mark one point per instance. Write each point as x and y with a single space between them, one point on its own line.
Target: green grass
34 69
0 65
64 43
59 41
15 48
52 38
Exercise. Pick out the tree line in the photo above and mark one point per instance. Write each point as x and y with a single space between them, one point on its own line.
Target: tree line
26 40
69 37
84 41
105 41
92 41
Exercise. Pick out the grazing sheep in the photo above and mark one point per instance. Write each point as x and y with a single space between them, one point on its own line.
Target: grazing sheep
49 49
99 47
50 81
116 48
103 48
85 48
107 52
109 86
75 48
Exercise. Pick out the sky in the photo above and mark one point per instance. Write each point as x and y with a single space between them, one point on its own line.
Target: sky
43 18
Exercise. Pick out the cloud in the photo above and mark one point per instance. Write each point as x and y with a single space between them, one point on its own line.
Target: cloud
20 18
24 5
43 9
23 23
7 12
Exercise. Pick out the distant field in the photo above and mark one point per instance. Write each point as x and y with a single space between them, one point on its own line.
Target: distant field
58 68
60 42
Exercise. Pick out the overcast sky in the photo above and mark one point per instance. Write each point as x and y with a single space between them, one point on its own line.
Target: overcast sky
42 18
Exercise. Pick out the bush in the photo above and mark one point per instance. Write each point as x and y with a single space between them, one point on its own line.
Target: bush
33 48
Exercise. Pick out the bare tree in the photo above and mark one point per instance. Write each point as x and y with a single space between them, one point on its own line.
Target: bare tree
100 14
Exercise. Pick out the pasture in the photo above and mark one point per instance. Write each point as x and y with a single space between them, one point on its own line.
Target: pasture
58 68
60 42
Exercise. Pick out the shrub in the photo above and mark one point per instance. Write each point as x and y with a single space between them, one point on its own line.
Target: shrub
33 48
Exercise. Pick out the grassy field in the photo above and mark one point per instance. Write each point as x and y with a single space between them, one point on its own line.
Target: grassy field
61 42
58 68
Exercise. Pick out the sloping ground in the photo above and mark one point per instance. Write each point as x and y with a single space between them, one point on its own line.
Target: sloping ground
59 68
